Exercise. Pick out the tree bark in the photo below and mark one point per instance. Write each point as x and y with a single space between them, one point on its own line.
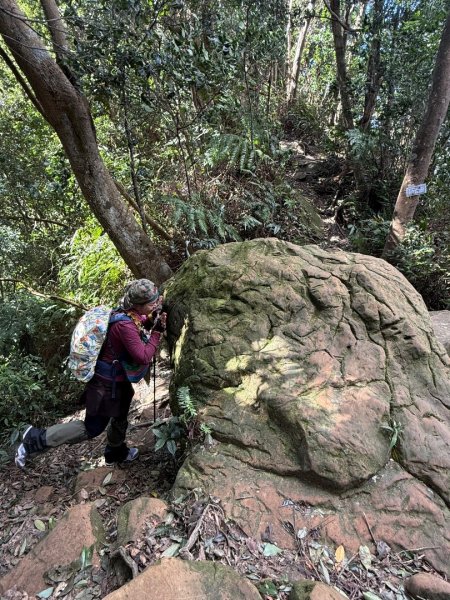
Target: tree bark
300 46
341 67
289 38
424 143
68 113
57 28
373 79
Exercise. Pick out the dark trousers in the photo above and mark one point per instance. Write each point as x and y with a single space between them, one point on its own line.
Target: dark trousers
105 408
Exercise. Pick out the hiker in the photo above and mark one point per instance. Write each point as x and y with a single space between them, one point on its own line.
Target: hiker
133 336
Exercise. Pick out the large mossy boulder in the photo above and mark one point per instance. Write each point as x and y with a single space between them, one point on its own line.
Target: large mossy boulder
313 369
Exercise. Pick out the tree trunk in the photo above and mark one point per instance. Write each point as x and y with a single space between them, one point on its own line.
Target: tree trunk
341 67
289 38
424 142
373 79
68 113
300 46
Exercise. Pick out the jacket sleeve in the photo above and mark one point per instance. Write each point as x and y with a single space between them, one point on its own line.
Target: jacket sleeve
139 352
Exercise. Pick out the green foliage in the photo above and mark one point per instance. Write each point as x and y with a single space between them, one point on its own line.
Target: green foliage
34 339
395 430
238 153
174 432
204 223
94 271
30 395
416 257
169 434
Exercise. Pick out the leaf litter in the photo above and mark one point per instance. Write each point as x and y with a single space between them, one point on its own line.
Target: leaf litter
196 528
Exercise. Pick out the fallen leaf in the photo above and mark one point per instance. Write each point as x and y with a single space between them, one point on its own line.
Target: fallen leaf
365 557
45 593
107 478
171 550
382 549
271 549
325 573
84 494
302 533
23 547
39 525
370 596
339 554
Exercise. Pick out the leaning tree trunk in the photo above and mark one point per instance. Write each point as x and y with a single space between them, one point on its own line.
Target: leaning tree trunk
424 142
67 111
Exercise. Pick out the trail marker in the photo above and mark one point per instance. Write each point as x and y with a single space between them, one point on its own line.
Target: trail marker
416 190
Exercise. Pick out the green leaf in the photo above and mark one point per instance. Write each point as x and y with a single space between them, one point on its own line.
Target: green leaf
86 556
171 447
271 549
171 550
370 596
268 588
45 593
159 444
39 525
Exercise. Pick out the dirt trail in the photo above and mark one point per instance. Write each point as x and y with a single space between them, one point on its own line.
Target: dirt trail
48 486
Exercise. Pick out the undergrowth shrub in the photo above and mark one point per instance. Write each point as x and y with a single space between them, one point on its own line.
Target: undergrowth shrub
34 341
419 257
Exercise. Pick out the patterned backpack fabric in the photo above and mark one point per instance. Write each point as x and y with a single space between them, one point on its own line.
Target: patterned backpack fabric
87 340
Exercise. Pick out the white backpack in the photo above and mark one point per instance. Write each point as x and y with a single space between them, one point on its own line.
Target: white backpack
87 341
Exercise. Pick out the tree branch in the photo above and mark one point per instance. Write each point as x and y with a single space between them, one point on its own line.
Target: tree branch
153 224
24 85
35 220
338 19
42 295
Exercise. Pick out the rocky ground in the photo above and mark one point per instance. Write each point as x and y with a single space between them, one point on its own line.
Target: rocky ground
75 479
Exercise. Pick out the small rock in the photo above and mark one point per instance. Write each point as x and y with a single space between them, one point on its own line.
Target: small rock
43 494
428 587
89 481
134 515
314 590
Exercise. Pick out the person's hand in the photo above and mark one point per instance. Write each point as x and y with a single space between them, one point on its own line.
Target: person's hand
160 322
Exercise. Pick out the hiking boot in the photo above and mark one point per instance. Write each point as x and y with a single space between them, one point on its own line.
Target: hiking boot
33 440
22 452
120 455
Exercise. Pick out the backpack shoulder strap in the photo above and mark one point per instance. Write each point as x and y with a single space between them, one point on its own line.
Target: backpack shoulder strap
118 316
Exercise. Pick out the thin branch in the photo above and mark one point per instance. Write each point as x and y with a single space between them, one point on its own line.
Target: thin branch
35 220
58 35
24 85
339 20
42 295
153 224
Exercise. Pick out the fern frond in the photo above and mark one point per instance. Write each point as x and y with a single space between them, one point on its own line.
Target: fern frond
186 404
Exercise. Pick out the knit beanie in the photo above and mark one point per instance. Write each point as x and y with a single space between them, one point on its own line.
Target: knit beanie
139 291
